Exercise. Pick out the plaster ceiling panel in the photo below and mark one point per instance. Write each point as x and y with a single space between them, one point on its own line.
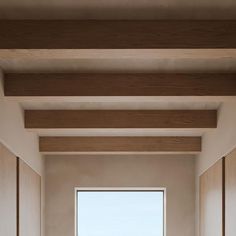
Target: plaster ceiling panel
120 105
145 60
119 132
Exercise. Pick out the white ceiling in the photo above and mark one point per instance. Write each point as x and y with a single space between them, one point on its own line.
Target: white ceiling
120 105
120 132
118 60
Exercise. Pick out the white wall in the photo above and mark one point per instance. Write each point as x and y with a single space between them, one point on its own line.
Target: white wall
21 142
64 173
216 144
18 140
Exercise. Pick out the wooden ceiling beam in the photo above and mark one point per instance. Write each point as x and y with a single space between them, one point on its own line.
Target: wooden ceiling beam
117 34
120 144
126 84
58 119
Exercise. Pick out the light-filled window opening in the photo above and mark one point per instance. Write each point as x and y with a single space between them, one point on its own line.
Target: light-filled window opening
120 212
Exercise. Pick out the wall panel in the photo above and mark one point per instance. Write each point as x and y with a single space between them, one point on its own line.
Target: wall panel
65 172
211 201
29 201
230 194
8 210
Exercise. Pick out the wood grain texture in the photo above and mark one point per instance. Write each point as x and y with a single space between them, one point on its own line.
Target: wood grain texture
116 34
230 194
120 144
8 186
98 84
211 201
29 201
120 119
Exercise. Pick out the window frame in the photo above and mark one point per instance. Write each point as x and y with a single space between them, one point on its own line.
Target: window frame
118 189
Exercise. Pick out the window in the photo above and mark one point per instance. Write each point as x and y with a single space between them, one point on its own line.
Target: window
120 212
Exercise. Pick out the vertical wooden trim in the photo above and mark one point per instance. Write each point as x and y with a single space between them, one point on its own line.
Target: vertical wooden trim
40 182
223 196
29 201
211 200
230 193
17 197
8 192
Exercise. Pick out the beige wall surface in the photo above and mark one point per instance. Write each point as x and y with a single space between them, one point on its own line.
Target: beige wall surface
221 141
13 135
215 145
19 141
29 201
8 185
64 173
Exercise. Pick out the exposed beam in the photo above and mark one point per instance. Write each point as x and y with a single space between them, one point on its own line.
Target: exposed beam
126 34
120 119
120 144
98 84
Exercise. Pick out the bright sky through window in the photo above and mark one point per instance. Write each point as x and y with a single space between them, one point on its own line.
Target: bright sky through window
120 213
